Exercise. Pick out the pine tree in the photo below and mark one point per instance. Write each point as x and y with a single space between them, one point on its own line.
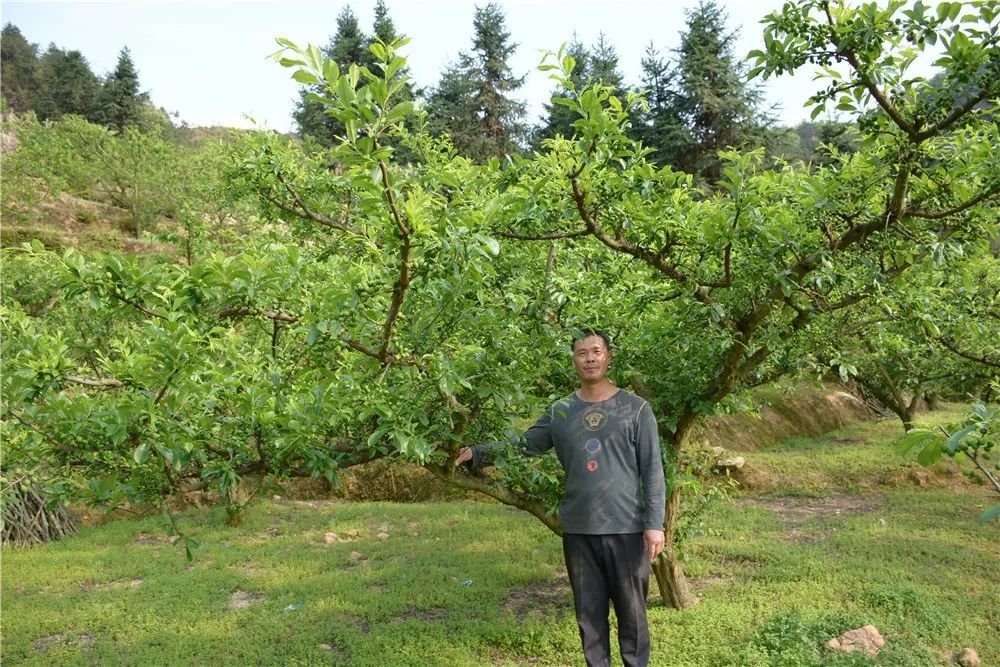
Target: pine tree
604 65
599 64
558 118
18 69
711 93
660 127
66 85
472 103
348 46
384 30
121 103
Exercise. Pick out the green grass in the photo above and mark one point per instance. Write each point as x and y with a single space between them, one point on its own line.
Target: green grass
858 458
778 576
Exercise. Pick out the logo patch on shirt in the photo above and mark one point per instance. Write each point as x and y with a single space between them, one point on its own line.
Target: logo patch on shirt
592 465
593 446
595 419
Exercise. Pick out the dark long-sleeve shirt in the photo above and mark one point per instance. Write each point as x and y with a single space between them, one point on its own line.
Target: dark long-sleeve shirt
611 454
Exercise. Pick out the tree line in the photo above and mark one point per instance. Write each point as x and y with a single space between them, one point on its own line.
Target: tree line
699 98
60 82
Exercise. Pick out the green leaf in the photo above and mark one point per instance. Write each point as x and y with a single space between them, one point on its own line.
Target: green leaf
378 50
493 245
331 72
141 454
930 454
955 441
303 76
399 111
915 438
344 90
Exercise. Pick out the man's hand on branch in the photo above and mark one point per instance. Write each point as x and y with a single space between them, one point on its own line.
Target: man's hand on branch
464 455
654 542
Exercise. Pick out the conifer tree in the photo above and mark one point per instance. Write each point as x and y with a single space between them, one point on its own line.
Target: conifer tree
349 45
66 85
121 103
604 65
597 64
18 69
660 127
383 28
473 101
711 93
559 119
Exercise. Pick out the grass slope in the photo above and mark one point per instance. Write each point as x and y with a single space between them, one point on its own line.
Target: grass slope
830 546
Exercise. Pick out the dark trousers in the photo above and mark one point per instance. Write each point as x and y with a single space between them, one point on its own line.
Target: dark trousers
603 568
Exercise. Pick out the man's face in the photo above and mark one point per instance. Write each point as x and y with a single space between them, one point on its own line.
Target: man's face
591 359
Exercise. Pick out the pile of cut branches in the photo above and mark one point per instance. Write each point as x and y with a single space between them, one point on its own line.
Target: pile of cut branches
30 518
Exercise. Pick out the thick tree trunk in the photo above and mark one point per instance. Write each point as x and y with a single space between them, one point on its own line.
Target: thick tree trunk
907 411
670 577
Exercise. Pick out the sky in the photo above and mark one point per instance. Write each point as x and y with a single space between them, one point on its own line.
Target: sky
208 60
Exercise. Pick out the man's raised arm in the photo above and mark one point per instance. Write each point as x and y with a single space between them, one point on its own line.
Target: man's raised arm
534 442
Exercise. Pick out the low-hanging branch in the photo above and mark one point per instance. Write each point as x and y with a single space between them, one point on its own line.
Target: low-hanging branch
497 492
138 306
949 344
237 312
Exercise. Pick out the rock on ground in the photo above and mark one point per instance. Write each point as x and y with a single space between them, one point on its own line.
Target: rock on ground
968 658
867 639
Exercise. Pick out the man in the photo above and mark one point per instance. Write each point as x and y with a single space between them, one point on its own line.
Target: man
612 511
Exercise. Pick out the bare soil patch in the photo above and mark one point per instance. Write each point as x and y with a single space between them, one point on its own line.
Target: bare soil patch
796 510
113 585
538 600
148 538
42 644
497 657
241 599
425 615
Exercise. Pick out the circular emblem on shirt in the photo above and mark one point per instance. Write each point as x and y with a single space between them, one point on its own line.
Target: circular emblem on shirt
592 465
594 419
593 446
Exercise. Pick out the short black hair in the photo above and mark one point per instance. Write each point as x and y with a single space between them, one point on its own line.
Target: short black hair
587 333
